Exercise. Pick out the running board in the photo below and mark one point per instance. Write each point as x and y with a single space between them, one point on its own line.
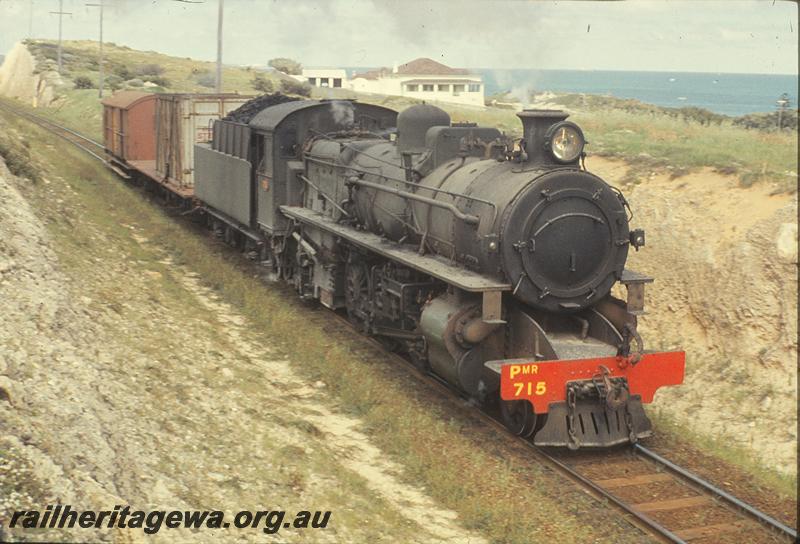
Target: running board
433 265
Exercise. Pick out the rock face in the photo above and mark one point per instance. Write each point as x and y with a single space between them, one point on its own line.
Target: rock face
725 263
19 78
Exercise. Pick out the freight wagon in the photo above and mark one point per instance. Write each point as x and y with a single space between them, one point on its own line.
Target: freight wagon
155 134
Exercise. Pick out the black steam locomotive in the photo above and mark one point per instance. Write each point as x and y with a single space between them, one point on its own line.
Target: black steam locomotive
489 261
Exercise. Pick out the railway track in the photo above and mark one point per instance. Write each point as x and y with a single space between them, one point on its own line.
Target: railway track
85 144
653 493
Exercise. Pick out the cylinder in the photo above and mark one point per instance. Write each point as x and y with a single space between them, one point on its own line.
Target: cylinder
441 322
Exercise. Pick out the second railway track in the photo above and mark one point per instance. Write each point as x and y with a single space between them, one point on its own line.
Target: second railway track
655 494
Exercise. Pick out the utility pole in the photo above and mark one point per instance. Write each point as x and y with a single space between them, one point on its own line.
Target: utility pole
219 47
30 20
100 85
60 14
783 105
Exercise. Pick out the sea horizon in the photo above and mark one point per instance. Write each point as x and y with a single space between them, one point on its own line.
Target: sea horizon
728 93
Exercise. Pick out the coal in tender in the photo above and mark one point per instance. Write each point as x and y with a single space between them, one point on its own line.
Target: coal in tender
251 108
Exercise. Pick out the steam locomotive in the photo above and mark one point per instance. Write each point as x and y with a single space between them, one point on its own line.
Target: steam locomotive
488 261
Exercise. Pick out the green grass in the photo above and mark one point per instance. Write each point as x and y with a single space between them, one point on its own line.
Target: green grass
16 154
662 140
656 141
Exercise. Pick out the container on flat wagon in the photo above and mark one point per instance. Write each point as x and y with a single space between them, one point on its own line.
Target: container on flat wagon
129 126
183 120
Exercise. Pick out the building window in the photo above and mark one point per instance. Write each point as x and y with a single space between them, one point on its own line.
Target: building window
474 88
323 82
444 88
312 81
337 82
458 89
427 88
412 88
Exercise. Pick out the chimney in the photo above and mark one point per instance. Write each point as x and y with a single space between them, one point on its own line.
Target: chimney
534 126
394 67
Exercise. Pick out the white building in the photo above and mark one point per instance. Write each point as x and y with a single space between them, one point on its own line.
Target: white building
424 79
324 77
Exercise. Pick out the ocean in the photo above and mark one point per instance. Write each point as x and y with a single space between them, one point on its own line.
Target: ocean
729 94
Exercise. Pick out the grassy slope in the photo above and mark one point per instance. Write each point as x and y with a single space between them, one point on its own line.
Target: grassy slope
647 140
182 74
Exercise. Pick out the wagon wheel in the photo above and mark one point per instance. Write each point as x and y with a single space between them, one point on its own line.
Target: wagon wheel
518 417
356 296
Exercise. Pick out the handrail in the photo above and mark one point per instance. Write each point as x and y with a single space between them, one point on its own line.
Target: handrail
465 217
312 158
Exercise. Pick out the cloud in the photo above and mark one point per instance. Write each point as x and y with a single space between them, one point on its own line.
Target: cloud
694 36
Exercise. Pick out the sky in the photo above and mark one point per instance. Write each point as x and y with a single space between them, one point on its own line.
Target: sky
695 36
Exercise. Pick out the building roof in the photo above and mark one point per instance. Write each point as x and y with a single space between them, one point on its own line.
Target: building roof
373 74
425 67
337 71
440 81
417 67
126 99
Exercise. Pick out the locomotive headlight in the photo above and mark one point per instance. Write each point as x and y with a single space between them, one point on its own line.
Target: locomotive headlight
565 141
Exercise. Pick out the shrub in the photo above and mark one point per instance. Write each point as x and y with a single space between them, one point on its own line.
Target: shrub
149 70
290 86
134 83
261 83
18 161
768 122
49 53
287 66
83 82
206 79
123 71
158 80
114 82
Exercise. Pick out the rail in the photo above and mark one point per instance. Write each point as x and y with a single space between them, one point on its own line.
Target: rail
84 143
720 493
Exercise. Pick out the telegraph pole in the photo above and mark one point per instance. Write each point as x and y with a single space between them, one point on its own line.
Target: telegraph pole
60 14
783 106
219 47
100 85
